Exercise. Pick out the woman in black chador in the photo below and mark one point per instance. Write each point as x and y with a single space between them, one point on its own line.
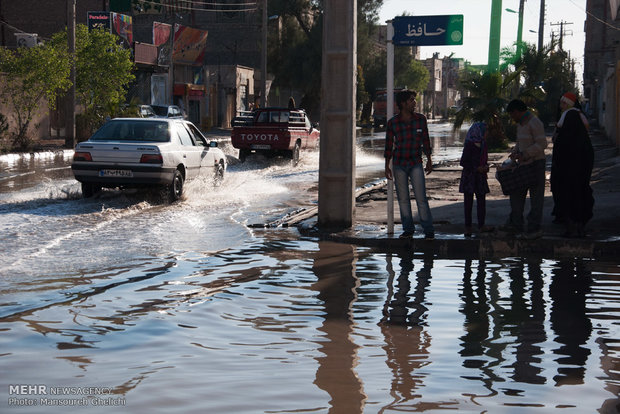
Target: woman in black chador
571 169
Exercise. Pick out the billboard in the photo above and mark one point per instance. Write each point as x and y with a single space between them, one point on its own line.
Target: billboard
122 26
189 45
98 20
162 36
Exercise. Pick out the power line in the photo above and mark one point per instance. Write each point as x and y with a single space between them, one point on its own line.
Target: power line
18 30
562 31
595 17
217 6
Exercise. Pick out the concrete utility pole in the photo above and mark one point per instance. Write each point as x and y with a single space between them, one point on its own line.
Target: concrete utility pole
70 117
561 24
541 26
495 35
263 63
337 157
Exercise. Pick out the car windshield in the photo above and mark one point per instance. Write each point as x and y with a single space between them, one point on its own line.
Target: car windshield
129 130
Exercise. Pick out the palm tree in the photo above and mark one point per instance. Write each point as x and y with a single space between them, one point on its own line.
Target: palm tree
488 94
547 75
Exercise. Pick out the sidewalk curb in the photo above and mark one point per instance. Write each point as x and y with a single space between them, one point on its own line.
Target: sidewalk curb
487 247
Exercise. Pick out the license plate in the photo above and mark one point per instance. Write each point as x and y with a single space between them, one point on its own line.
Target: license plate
115 173
260 146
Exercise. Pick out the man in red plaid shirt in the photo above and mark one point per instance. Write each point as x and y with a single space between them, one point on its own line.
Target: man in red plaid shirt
406 139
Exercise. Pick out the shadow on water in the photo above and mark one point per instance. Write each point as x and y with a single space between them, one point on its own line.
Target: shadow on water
337 283
526 325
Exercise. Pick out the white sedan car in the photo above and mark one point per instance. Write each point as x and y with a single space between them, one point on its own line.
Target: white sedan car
146 152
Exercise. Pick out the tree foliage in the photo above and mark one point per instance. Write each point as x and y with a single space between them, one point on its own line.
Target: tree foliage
4 126
103 72
31 75
539 78
545 75
488 95
549 70
295 56
412 73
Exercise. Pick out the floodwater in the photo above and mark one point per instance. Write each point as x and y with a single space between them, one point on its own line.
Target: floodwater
120 304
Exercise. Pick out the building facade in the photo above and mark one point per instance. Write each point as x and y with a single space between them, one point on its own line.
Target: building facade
225 79
602 65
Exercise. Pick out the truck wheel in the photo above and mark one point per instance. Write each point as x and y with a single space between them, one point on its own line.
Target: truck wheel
90 189
295 154
173 191
243 154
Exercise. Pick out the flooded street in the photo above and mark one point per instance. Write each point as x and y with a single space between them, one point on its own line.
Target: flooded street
119 301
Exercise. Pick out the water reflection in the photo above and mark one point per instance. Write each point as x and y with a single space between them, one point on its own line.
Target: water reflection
490 318
337 284
524 319
20 171
568 290
298 326
407 342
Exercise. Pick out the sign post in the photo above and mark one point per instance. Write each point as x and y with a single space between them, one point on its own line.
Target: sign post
388 115
415 31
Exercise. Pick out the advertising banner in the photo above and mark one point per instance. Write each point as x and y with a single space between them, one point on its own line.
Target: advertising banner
122 26
161 33
189 45
162 38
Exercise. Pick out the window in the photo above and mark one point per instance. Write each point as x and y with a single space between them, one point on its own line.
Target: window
122 130
279 116
198 138
184 135
263 117
174 111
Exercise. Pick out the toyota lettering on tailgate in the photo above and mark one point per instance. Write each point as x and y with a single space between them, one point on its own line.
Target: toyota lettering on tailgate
259 137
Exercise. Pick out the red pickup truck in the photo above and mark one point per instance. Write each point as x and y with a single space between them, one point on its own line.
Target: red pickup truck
274 132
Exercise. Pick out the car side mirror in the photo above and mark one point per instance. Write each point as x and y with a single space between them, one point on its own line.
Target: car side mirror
213 144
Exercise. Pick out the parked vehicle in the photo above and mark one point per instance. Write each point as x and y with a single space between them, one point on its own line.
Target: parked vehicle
146 153
275 132
379 107
146 111
168 111
243 118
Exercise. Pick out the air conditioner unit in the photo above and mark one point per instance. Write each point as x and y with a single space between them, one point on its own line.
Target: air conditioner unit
27 39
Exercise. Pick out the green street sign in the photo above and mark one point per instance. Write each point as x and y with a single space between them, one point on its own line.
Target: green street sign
428 30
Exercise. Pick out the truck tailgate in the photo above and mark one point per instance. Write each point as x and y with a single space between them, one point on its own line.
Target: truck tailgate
260 137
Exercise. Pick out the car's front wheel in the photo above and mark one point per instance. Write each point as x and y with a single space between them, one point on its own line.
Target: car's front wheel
218 177
295 154
173 191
